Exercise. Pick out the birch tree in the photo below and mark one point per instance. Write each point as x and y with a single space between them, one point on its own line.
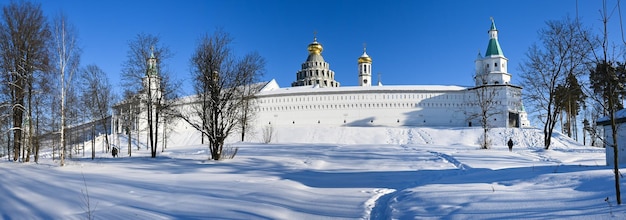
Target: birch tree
67 57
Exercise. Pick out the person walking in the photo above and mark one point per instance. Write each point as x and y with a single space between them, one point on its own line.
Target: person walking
510 144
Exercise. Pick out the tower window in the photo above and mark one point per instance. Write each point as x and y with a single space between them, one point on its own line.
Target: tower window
495 64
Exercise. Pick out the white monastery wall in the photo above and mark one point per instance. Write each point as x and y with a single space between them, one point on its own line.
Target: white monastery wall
316 98
364 108
382 106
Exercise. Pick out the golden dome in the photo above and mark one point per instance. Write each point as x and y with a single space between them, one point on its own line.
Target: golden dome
365 58
315 47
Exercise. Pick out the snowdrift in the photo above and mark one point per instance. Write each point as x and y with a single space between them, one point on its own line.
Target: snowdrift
323 173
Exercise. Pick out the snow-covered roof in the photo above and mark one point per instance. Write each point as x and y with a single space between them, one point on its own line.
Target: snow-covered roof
257 87
271 88
620 117
275 90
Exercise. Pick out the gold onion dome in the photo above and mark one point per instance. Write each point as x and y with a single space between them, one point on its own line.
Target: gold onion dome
315 47
365 58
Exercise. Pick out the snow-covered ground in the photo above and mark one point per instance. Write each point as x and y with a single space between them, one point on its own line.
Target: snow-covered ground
325 173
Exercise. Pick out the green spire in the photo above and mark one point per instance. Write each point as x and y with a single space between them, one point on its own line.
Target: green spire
493 24
152 63
494 47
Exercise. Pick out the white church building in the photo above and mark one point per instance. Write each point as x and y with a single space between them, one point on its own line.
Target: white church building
315 97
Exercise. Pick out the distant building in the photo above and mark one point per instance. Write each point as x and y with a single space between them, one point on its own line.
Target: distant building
131 114
315 97
605 122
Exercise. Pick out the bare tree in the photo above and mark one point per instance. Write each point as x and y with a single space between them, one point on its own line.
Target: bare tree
67 56
127 111
144 74
565 51
220 83
97 94
607 80
251 66
5 124
44 115
484 100
24 35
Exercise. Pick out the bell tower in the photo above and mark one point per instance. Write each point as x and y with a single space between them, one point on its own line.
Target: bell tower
492 68
365 69
151 80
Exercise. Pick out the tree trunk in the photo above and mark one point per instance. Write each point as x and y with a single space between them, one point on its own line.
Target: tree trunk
62 148
37 145
17 133
129 134
618 194
164 144
93 142
9 146
137 129
30 121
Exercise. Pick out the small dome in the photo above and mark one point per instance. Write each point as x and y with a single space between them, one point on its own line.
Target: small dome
365 58
315 47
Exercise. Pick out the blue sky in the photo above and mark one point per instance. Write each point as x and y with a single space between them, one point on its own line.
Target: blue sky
431 42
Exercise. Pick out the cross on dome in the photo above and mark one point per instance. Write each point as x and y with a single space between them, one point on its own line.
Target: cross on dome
315 47
364 58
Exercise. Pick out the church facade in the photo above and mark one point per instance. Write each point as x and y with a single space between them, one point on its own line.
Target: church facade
315 97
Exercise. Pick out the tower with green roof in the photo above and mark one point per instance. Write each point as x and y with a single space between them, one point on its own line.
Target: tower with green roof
491 69
152 80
